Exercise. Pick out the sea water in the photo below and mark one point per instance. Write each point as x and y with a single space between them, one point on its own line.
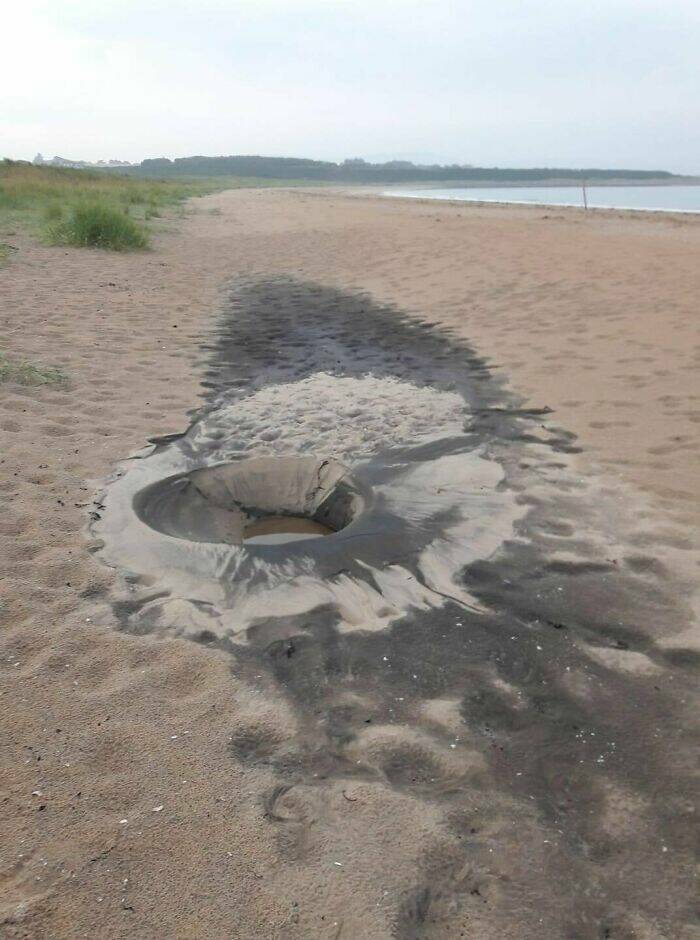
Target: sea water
649 198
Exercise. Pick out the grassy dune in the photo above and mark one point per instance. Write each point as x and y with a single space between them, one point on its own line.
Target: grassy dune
92 208
84 208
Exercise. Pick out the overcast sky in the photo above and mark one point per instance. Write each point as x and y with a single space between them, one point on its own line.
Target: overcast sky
612 83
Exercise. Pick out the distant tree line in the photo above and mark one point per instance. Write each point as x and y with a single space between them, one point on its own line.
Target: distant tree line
359 171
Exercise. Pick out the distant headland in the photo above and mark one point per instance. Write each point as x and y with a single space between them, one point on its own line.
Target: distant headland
353 171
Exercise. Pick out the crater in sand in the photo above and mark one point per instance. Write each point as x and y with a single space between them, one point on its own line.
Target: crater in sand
261 501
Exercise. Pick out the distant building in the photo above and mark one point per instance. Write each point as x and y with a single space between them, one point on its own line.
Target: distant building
62 161
77 164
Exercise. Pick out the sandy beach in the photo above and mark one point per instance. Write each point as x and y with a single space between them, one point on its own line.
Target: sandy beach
501 748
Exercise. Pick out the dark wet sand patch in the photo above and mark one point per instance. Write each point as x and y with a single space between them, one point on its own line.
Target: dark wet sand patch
529 720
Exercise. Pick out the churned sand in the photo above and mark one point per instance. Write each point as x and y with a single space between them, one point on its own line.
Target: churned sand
128 809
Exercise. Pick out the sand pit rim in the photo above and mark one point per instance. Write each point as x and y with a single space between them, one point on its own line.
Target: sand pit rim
219 503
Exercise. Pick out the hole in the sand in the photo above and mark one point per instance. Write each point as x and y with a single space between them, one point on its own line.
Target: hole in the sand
261 501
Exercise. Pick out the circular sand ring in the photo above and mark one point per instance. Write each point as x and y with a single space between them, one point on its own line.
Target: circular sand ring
263 500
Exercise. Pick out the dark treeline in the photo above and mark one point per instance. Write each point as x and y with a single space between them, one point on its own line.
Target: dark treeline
359 171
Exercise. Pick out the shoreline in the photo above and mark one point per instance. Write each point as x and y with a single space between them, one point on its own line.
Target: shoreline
542 205
682 216
380 193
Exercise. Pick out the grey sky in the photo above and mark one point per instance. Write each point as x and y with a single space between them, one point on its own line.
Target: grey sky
492 82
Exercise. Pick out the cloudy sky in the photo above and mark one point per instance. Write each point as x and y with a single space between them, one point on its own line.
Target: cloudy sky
612 83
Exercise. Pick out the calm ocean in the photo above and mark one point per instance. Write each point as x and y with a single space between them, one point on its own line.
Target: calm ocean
648 198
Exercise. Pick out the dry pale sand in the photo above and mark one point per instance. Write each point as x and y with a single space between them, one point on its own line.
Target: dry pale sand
130 805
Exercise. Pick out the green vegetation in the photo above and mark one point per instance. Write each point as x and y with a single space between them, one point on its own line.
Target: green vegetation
87 208
24 373
95 208
294 169
45 190
98 225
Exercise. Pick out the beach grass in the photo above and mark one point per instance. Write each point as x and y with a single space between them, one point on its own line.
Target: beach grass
87 208
98 225
26 373
96 208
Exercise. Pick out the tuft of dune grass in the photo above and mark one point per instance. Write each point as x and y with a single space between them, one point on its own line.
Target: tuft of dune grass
87 208
25 373
59 202
98 225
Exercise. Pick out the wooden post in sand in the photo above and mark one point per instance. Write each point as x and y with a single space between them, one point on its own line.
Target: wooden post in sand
585 199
